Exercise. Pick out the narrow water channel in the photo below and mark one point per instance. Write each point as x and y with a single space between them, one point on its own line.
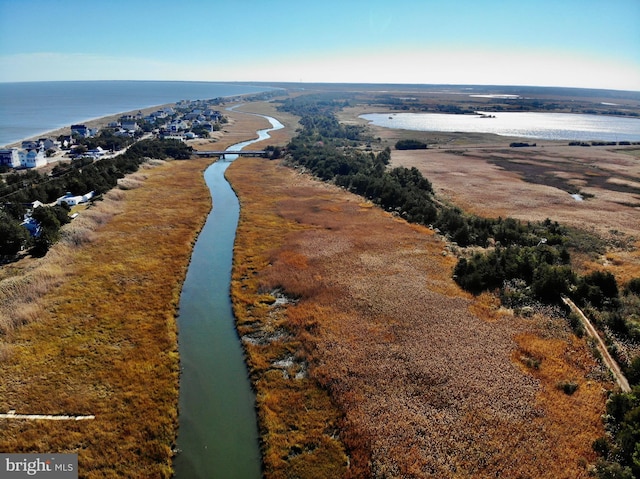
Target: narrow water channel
218 433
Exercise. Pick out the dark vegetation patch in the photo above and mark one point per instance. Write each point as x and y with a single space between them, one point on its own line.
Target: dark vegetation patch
544 172
410 145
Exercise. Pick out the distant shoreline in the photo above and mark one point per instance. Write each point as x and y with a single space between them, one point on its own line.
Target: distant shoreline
49 108
96 122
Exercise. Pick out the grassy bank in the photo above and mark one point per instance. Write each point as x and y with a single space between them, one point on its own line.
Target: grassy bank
104 342
98 331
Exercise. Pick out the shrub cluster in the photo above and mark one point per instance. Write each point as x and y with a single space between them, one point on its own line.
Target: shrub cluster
544 268
410 145
402 190
619 449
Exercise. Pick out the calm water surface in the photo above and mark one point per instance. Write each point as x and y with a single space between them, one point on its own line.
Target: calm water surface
218 433
32 108
547 126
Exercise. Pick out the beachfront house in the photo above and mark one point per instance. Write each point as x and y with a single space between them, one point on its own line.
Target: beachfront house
30 145
65 141
82 131
10 157
35 158
42 143
129 125
18 158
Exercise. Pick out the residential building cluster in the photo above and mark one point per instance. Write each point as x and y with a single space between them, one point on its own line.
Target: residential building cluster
170 123
32 154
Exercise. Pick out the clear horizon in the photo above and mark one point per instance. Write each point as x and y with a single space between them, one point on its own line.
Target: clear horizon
579 44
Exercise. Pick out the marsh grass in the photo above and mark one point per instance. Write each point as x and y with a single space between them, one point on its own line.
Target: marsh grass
410 376
297 418
90 328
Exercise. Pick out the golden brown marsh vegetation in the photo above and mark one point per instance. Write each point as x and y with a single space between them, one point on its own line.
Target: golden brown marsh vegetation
90 328
102 336
382 358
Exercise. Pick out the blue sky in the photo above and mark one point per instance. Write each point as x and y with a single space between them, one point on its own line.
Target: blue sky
582 43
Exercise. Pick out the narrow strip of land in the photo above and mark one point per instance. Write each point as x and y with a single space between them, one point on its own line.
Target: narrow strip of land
606 357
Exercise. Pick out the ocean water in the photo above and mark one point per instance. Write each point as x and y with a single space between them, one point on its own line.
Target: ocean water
533 125
30 109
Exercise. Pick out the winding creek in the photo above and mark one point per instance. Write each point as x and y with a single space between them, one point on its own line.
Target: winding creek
218 432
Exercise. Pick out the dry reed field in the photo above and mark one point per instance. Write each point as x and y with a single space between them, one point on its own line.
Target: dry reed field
533 185
90 328
103 341
369 361
482 175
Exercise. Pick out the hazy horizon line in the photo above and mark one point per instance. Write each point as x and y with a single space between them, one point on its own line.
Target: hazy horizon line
281 82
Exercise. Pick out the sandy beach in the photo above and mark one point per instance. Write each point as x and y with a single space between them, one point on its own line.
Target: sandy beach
99 122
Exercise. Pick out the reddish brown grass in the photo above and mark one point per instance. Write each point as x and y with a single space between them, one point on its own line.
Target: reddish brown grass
425 387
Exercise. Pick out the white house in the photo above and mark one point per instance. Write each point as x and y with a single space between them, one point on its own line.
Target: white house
10 157
35 158
72 200
129 125
16 158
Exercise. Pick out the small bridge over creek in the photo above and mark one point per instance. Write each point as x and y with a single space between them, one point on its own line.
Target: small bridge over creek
222 153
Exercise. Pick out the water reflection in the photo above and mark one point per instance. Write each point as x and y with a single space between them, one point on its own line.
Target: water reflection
547 126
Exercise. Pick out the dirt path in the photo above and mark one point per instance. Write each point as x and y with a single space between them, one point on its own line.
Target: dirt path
606 357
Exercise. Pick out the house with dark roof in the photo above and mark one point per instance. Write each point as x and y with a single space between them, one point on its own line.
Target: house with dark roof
10 157
82 131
